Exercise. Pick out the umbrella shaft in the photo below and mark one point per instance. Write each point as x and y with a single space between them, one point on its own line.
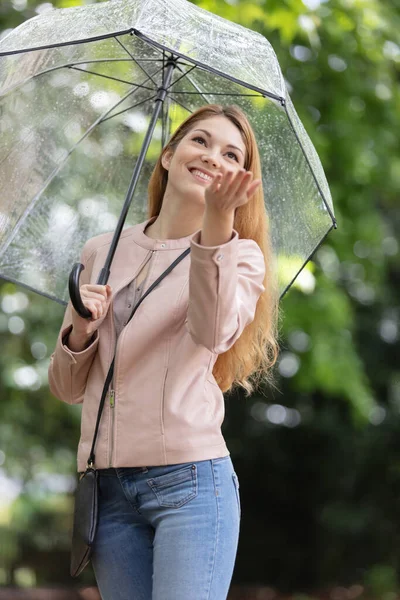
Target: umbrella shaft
161 95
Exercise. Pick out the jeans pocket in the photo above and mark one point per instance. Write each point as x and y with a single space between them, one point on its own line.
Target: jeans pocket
236 484
176 488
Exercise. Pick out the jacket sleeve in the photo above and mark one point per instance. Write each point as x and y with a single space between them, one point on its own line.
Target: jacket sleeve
68 370
225 283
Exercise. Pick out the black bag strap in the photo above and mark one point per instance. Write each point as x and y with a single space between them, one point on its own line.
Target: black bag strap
110 373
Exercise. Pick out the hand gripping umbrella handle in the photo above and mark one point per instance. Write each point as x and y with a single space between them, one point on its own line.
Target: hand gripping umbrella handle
74 293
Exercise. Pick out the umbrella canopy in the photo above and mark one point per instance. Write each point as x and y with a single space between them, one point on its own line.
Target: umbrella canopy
77 91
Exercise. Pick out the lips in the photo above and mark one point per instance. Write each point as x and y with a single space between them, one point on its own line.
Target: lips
207 179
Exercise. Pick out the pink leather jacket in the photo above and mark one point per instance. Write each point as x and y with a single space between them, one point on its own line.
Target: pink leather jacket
166 407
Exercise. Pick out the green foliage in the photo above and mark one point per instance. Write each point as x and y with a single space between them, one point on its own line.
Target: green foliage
320 500
382 581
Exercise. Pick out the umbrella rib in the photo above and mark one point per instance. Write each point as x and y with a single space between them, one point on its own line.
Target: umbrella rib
222 94
95 60
208 68
70 65
181 104
306 261
110 77
95 38
32 289
31 205
163 112
195 87
311 169
181 77
162 124
129 108
134 60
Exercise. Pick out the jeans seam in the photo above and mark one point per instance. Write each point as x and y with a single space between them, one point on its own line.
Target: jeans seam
220 458
123 491
217 531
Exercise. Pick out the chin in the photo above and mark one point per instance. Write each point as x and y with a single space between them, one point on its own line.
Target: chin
197 192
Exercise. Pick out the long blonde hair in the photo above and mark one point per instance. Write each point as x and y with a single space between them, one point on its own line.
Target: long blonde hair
255 352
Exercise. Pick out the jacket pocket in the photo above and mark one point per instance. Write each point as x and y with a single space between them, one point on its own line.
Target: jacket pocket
175 489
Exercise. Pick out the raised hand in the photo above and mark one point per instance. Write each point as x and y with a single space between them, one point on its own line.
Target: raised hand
226 192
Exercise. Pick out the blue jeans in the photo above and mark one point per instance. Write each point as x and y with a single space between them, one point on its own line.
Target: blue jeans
167 532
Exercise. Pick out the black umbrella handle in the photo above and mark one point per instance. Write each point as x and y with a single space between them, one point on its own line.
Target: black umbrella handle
74 293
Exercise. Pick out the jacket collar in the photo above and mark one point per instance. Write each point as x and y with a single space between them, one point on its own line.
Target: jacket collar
138 235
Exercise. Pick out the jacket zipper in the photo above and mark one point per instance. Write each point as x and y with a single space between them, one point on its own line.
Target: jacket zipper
112 404
113 391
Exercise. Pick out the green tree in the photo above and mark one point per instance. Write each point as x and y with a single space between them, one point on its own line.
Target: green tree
318 460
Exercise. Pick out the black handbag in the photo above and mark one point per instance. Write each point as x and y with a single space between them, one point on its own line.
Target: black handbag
86 493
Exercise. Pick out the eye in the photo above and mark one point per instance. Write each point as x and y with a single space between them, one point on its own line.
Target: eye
198 137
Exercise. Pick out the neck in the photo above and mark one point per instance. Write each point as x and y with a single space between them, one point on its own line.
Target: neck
175 222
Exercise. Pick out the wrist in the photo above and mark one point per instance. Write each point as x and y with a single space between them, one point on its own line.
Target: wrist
218 213
78 341
217 227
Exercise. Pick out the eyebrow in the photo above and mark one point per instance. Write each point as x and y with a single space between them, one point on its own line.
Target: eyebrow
228 145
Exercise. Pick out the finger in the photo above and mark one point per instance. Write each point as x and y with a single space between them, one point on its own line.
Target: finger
240 182
213 188
94 296
95 308
226 181
94 287
252 188
92 309
99 289
97 311
215 184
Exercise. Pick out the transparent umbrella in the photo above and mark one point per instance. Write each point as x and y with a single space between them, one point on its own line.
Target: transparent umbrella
89 96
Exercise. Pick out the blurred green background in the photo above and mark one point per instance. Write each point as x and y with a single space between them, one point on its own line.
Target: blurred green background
318 459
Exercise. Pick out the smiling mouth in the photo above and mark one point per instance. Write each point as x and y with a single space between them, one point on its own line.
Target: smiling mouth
199 176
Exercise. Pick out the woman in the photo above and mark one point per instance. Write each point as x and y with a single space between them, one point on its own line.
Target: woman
169 508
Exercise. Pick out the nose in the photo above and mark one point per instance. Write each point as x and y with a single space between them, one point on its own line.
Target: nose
210 160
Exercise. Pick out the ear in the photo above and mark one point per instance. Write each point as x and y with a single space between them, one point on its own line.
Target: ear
166 158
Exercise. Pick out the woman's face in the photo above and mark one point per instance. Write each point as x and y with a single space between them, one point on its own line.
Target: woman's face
213 145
